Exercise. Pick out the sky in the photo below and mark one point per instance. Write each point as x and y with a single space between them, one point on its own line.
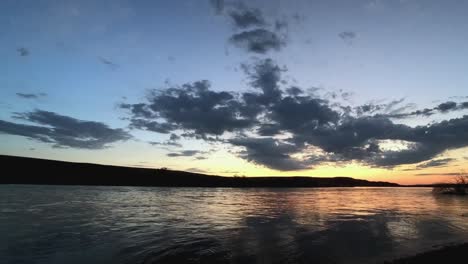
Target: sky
371 89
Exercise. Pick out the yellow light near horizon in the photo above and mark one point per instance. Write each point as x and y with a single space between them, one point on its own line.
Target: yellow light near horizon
223 162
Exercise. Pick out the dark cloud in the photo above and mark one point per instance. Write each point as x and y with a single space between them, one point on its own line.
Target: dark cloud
269 152
23 52
31 95
438 174
441 108
141 110
185 153
63 131
166 143
174 137
154 126
348 36
266 76
393 108
258 41
189 107
435 163
274 124
447 106
360 139
298 113
171 142
350 133
244 18
204 137
253 33
429 141
109 63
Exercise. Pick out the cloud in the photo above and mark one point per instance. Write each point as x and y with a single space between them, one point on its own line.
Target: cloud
347 36
31 95
154 126
174 137
269 152
109 63
443 108
392 109
244 18
447 106
438 174
435 163
253 33
189 107
185 153
290 128
63 131
173 141
266 76
167 143
23 52
258 41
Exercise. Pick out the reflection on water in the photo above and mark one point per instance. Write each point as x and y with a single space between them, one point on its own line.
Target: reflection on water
69 224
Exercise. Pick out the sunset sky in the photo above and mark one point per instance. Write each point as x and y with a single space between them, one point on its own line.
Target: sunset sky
371 89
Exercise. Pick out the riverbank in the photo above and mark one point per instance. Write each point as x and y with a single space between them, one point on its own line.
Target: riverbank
447 254
53 172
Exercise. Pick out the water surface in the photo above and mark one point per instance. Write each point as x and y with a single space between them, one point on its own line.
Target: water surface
80 224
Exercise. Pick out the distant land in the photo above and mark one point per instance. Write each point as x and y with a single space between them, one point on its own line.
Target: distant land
21 170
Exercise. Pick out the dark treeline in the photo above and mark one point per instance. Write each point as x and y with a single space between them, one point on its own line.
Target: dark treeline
19 170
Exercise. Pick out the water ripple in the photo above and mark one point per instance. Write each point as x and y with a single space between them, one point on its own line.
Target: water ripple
70 224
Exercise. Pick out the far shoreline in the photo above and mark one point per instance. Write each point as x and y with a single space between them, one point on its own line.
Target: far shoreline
33 171
53 172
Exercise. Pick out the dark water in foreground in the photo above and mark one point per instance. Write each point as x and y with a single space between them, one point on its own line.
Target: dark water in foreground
74 224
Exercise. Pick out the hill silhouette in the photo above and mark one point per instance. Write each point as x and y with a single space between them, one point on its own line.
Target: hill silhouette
21 170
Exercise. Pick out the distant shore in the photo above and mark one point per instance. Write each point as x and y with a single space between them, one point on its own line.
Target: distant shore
447 254
21 170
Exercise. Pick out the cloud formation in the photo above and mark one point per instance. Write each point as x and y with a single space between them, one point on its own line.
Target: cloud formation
347 36
435 163
244 18
23 52
287 128
252 31
185 153
269 152
109 63
63 131
172 142
31 95
191 107
445 107
258 41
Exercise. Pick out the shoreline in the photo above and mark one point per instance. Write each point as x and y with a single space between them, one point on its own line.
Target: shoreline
451 253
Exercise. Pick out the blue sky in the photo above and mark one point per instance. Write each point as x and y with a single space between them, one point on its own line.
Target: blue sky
87 57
